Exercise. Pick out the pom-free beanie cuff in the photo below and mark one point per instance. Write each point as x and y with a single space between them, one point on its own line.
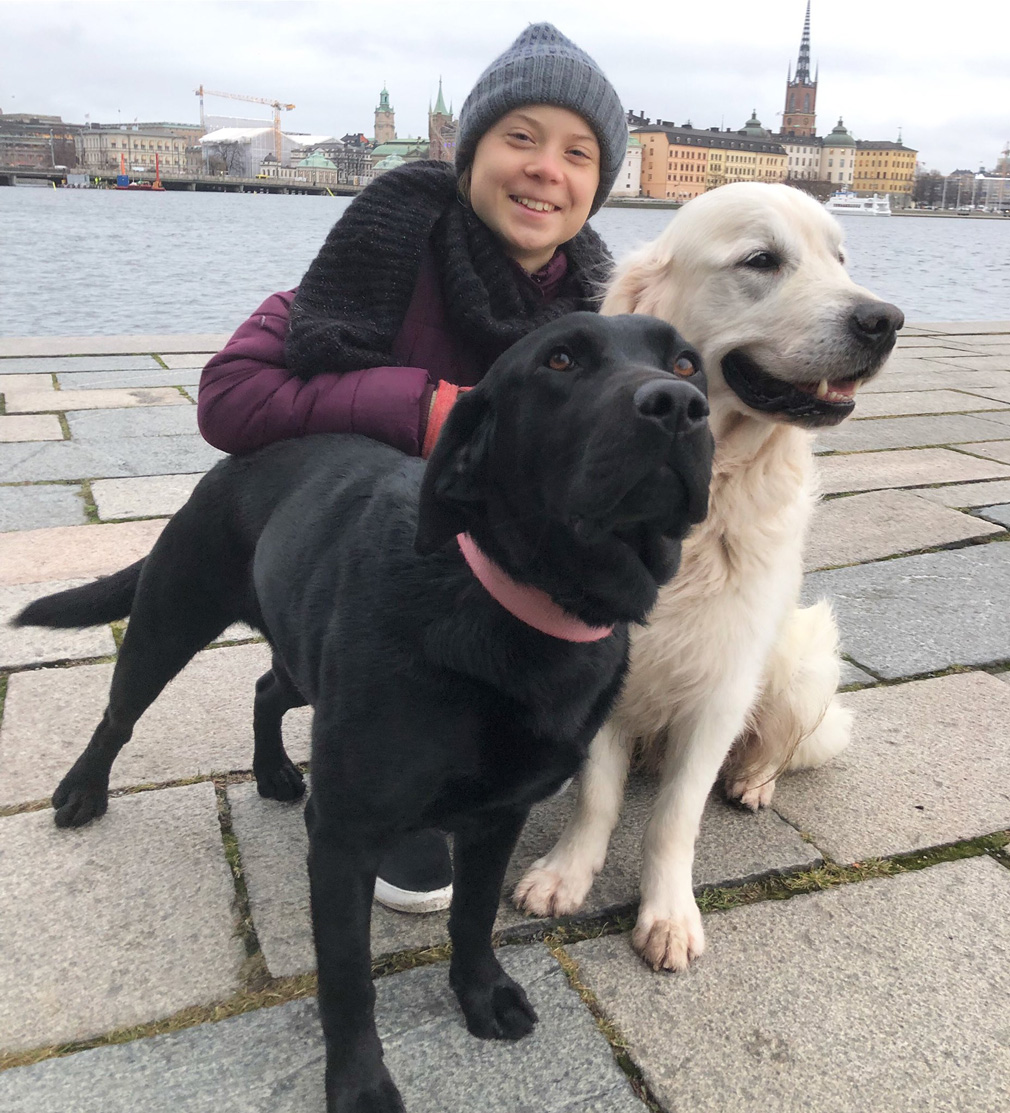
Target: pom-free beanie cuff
544 67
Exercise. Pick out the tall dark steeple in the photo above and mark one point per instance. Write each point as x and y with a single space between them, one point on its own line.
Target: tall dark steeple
799 116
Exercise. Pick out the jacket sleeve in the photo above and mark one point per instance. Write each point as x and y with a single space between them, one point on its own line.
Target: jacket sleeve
248 398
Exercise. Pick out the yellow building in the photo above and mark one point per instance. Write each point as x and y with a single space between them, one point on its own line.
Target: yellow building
678 163
883 167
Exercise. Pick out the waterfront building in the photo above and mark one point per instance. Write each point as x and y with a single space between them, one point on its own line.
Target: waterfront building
247 152
101 147
838 157
885 167
33 142
629 178
679 163
442 129
351 156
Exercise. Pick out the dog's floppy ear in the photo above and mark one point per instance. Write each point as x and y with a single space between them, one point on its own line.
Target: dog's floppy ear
632 279
453 486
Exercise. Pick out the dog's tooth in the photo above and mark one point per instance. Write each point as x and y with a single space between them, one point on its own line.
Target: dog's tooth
822 388
857 385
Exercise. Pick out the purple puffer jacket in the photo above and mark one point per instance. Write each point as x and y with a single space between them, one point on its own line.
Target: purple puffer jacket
248 398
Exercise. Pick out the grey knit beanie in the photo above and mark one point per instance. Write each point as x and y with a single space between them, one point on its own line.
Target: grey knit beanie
543 67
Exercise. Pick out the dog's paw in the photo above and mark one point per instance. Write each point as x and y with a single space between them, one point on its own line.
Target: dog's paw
499 1010
380 1096
669 943
549 892
77 803
752 792
280 782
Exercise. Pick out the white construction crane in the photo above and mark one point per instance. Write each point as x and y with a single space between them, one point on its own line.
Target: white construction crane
276 105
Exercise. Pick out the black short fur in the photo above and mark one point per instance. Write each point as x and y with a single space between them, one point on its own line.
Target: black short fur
577 464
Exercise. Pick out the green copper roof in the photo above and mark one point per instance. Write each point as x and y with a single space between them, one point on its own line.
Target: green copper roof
753 127
839 137
440 109
318 160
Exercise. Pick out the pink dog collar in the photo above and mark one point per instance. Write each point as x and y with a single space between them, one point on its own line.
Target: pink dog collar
529 604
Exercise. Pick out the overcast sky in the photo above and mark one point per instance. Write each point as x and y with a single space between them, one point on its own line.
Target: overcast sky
943 78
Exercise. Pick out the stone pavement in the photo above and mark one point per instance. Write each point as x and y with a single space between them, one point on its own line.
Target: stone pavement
161 960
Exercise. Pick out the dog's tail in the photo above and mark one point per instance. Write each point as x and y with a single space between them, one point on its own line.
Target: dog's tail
106 600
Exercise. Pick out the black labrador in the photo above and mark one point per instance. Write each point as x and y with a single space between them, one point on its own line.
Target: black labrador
460 628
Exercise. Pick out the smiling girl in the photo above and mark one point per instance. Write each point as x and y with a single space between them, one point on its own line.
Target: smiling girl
430 274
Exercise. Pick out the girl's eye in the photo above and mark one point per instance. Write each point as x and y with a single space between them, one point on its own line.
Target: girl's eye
520 135
684 366
560 361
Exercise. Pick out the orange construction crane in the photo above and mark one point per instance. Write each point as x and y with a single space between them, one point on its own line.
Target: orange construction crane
276 105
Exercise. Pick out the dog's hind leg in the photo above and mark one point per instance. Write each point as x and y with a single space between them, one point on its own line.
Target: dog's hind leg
495 1006
797 722
557 884
176 612
277 777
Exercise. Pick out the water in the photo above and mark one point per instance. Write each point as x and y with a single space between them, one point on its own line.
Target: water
94 262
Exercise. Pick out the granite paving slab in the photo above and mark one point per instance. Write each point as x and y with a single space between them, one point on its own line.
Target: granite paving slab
57 364
111 425
113 459
877 524
144 497
734 847
999 514
869 471
51 346
116 923
921 375
40 505
967 494
185 360
850 675
996 393
992 450
200 725
975 362
152 376
271 1060
912 402
882 997
929 764
65 552
35 645
23 383
929 349
910 432
32 427
45 401
919 614
961 328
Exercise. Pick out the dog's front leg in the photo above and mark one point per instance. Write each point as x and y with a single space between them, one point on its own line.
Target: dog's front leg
669 933
342 871
558 883
495 1006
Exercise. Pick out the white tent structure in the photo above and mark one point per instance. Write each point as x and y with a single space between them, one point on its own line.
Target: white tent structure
243 149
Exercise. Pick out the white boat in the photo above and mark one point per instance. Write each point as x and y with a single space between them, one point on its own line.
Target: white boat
846 202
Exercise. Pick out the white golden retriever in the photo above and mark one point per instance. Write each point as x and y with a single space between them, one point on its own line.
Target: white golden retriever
753 276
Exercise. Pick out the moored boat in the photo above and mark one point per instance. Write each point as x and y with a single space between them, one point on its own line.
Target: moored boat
844 201
123 179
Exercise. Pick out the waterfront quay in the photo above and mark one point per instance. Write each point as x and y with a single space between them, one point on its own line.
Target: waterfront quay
160 959
201 183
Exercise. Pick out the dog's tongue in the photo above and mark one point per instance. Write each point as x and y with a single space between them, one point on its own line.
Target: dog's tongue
837 390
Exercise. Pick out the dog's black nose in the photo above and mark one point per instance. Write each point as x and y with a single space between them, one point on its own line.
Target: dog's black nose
876 322
676 405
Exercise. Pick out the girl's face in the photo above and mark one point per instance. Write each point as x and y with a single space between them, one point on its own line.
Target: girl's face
533 179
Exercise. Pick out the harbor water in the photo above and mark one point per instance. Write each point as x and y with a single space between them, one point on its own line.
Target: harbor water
100 262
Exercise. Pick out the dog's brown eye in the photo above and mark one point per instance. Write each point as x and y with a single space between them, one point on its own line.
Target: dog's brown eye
560 361
684 366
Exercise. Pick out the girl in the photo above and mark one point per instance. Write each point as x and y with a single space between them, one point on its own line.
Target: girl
430 274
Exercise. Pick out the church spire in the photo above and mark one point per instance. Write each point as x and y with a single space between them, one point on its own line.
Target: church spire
440 103
803 62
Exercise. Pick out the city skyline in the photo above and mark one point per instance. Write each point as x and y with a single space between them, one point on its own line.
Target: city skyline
113 62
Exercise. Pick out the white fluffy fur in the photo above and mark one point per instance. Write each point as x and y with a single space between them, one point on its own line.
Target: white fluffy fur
728 656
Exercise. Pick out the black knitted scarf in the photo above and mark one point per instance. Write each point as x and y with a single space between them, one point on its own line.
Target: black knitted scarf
354 297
